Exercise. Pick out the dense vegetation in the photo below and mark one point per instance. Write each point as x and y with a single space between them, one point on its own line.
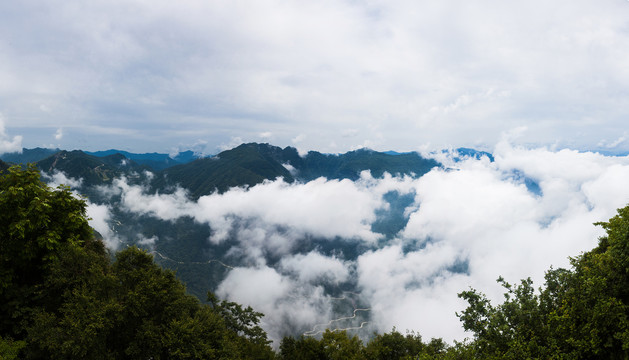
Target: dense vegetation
581 313
62 296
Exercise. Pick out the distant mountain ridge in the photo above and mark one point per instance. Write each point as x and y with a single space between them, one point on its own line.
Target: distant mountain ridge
28 155
155 161
92 169
245 165
252 163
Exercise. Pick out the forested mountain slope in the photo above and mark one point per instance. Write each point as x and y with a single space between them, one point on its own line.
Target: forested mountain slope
153 161
63 298
245 165
351 164
93 170
250 164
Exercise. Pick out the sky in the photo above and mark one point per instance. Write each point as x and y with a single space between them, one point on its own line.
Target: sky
163 76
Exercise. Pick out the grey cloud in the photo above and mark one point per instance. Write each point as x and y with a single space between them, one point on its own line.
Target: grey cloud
445 73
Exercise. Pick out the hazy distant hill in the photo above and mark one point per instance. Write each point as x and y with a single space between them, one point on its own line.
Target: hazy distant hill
92 169
155 161
28 155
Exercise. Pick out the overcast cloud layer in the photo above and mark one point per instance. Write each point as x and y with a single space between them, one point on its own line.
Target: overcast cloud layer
475 215
328 76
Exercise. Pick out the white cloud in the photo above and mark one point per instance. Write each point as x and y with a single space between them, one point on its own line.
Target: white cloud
324 208
100 220
59 178
481 218
147 241
234 141
165 207
8 144
291 169
299 138
613 144
468 224
59 134
313 267
288 305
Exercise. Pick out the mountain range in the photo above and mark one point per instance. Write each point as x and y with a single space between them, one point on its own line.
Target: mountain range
246 165
184 244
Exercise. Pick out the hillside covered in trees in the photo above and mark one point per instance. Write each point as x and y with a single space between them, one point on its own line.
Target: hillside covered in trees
65 296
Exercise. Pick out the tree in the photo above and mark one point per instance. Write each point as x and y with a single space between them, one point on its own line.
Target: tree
338 345
514 329
580 313
243 327
62 298
35 222
591 317
9 349
394 345
304 348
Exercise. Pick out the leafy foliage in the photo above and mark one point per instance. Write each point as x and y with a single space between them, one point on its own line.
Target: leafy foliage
35 223
335 345
581 313
63 298
3 166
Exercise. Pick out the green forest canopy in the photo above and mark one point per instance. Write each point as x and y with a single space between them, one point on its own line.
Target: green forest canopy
63 297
